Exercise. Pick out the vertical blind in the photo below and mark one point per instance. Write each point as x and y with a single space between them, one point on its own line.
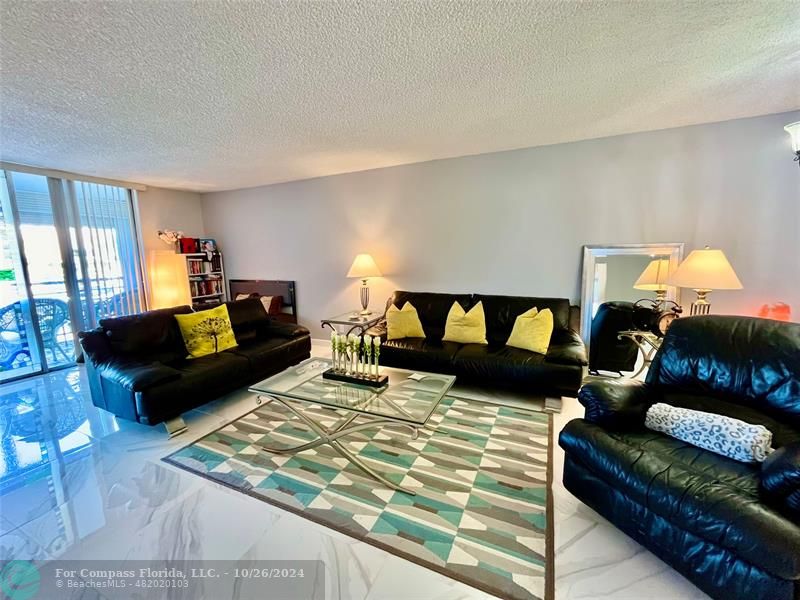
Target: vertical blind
106 250
103 243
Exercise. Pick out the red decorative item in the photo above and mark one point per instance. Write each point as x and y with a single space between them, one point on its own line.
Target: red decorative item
188 245
779 311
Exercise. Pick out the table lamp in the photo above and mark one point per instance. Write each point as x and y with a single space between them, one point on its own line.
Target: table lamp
654 279
705 270
364 267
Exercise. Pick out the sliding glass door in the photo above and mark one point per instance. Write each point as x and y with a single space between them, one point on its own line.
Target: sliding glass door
19 347
69 258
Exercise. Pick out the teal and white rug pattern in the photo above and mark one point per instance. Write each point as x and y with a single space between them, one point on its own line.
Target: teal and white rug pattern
481 472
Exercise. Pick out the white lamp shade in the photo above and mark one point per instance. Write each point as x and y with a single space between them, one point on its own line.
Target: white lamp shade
794 132
364 266
169 280
706 269
654 276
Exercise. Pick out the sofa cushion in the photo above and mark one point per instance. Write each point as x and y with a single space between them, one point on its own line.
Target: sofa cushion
136 376
432 309
202 379
506 366
713 497
465 326
247 317
782 432
502 312
717 433
419 354
403 322
264 355
207 332
566 348
152 335
532 331
744 360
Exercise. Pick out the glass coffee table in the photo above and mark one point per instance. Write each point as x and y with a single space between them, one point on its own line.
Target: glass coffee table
406 403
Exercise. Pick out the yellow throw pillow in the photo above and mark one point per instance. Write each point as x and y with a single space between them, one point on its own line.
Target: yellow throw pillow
403 323
532 331
207 331
465 328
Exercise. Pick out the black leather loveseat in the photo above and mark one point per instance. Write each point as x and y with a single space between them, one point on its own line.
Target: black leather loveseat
558 373
138 370
710 517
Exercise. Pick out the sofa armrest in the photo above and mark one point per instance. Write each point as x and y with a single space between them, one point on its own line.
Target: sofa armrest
567 348
95 345
135 376
615 403
285 330
780 476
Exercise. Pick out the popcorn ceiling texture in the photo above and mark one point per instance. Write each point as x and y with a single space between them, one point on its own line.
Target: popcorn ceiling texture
221 95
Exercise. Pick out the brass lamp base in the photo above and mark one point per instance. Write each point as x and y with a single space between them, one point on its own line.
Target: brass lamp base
365 298
701 306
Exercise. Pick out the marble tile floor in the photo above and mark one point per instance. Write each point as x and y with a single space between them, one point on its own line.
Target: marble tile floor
77 483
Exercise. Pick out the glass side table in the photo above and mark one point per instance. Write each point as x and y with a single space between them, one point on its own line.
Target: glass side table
352 321
648 344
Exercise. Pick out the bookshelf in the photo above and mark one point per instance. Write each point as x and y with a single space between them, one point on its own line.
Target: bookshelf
206 279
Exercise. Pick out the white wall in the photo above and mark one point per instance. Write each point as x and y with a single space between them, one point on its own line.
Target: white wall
515 222
168 209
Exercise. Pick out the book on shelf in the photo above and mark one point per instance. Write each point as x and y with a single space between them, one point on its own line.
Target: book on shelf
206 287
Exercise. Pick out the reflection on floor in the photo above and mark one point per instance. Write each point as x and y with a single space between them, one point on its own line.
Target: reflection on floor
77 483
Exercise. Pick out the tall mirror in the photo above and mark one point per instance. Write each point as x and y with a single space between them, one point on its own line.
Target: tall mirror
628 273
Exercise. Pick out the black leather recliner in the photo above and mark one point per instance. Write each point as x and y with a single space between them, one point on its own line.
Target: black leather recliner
138 370
708 516
557 373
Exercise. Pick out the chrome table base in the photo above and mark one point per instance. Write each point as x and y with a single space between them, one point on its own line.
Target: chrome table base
332 435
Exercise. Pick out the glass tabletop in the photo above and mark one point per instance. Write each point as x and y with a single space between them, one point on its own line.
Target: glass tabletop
411 396
354 318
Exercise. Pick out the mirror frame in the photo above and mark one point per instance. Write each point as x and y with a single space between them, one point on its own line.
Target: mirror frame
592 252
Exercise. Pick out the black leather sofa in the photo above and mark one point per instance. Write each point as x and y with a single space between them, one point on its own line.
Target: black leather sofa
138 370
558 373
708 516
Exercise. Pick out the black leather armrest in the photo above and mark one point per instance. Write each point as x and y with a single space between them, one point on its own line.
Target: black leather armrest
566 348
780 476
135 376
285 330
615 403
95 345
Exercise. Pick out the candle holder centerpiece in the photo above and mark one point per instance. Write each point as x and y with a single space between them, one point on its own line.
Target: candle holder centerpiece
355 359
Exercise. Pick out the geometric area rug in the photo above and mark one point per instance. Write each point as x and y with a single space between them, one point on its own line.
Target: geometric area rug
482 473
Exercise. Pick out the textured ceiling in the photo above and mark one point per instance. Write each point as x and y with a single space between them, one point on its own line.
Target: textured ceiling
212 95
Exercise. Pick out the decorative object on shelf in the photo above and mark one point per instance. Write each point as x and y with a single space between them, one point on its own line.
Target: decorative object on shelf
793 129
208 246
703 271
188 245
352 360
363 268
169 236
169 280
654 279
